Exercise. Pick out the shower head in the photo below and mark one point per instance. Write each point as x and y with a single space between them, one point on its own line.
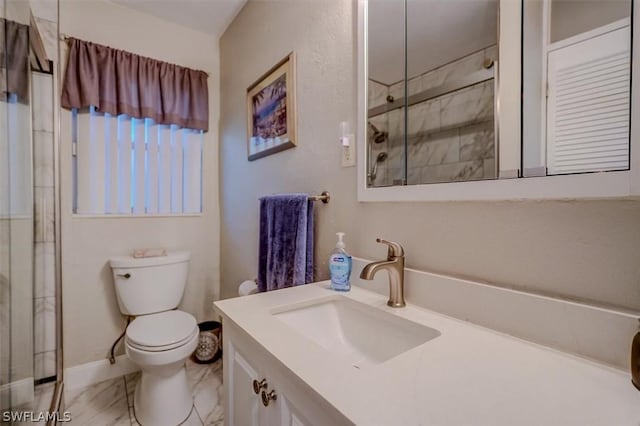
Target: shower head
374 170
381 157
378 135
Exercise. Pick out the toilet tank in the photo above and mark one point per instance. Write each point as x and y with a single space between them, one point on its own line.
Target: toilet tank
151 284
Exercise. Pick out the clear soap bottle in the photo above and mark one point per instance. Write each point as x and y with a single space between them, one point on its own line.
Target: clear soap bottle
340 266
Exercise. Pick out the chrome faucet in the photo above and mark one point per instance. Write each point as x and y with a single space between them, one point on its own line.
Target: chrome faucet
395 266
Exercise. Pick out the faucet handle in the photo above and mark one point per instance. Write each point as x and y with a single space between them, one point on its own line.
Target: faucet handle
395 249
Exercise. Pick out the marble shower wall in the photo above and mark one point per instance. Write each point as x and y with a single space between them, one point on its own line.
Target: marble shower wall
450 138
44 301
377 95
45 13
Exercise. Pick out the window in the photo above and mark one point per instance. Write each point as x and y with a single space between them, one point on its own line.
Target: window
124 165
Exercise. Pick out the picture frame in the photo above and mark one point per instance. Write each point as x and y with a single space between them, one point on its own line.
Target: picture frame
271 111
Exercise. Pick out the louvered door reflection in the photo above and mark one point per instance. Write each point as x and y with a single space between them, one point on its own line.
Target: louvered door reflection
588 104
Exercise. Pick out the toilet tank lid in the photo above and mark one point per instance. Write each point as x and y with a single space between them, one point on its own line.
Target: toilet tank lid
142 262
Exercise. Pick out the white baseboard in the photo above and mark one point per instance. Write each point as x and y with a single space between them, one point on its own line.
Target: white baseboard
83 375
16 393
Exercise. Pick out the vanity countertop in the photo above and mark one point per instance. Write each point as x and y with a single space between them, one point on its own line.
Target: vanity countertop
469 375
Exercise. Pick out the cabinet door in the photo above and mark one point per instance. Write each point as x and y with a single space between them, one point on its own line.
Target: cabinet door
291 415
243 403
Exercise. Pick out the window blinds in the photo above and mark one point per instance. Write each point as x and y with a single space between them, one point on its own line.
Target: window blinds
135 166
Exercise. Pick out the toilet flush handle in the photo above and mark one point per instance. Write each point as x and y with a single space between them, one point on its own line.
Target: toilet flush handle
125 276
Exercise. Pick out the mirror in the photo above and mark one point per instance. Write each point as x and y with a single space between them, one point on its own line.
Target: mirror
431 91
437 111
576 86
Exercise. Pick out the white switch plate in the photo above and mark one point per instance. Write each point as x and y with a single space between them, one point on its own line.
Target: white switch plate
348 155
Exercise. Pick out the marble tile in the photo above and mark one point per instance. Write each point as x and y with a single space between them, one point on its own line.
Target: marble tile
192 420
104 403
205 381
395 176
455 172
44 364
42 396
464 66
377 94
397 90
395 123
131 381
451 71
206 384
491 52
49 32
424 117
395 156
44 324
44 215
490 168
43 159
477 141
468 105
44 270
431 150
42 103
414 176
471 170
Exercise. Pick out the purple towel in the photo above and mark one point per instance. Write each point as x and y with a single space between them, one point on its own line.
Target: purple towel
285 254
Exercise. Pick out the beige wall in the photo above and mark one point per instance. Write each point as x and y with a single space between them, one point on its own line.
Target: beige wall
91 317
587 249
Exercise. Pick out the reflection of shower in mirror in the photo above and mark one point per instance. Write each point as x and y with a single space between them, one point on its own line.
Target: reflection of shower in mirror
374 169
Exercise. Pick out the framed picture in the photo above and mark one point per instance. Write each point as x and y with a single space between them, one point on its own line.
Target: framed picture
271 111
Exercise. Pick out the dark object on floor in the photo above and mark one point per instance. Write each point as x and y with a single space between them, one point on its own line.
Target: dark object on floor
210 343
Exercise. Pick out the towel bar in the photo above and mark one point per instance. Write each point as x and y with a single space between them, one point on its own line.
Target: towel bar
324 197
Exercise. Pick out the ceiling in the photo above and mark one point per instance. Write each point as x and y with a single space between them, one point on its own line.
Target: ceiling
438 32
209 16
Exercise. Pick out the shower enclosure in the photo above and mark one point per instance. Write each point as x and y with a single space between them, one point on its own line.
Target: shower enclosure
28 323
16 210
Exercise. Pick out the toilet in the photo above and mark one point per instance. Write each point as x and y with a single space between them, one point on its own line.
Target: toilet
160 338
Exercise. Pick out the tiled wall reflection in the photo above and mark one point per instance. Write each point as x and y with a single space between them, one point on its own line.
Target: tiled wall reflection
44 229
46 17
450 138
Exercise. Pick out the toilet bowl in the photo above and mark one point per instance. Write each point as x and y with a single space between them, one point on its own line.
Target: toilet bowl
160 338
160 343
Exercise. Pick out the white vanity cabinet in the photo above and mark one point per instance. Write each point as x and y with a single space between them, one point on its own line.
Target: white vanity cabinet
295 404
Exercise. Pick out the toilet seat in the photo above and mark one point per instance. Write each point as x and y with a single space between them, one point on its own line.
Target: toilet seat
161 331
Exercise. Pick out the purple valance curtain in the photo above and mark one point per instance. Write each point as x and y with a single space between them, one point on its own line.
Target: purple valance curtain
14 60
119 82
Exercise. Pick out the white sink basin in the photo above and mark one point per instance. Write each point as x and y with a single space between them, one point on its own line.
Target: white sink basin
363 335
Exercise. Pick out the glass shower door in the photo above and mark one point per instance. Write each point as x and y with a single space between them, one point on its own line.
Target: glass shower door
16 209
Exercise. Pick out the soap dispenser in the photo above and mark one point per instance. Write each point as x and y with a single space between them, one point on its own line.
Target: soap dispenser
340 266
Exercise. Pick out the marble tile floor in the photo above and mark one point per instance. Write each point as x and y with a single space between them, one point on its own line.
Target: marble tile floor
110 403
42 396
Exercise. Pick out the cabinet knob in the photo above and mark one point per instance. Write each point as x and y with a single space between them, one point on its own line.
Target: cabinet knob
268 397
257 385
